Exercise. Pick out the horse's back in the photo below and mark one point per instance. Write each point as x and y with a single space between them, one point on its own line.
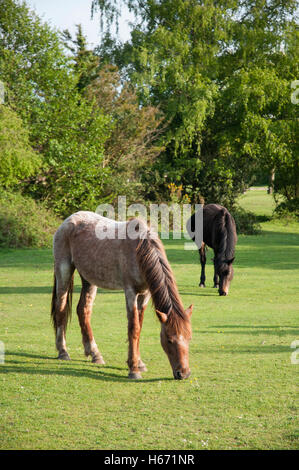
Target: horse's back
98 248
212 213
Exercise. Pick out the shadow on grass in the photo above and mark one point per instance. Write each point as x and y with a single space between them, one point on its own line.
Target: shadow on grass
26 258
65 368
254 349
45 290
292 330
270 250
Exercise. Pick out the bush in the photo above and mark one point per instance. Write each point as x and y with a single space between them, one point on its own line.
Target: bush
288 210
246 222
24 222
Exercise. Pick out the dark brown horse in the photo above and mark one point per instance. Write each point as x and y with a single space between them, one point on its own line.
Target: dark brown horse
219 233
118 255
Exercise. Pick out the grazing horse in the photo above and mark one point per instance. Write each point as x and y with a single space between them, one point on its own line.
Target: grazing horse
118 255
219 233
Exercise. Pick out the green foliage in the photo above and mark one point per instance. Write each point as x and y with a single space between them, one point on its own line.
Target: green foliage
94 138
74 153
24 222
17 159
132 146
86 63
221 72
33 65
287 210
199 97
246 221
69 131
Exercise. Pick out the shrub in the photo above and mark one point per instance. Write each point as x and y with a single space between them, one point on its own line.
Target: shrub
288 210
24 222
246 222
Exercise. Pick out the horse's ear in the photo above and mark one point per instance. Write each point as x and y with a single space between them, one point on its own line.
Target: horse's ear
162 316
230 261
189 310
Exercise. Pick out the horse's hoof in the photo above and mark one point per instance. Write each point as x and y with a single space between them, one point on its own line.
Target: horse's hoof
98 360
216 286
134 376
142 367
201 285
64 356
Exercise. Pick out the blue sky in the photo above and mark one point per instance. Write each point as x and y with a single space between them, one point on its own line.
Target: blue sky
65 14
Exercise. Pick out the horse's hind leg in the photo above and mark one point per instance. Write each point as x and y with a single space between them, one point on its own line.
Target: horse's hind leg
62 304
84 310
203 259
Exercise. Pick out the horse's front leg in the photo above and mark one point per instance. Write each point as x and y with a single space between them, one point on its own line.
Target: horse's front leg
216 277
142 302
133 333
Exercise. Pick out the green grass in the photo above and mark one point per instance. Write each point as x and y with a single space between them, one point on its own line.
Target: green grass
258 201
243 390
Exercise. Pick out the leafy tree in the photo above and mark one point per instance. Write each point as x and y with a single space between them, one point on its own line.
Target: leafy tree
221 73
86 63
133 145
129 150
17 159
67 129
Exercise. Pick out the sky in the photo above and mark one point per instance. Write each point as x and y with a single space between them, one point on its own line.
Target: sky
65 14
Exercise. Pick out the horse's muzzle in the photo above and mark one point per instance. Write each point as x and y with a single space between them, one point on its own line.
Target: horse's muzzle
178 375
222 292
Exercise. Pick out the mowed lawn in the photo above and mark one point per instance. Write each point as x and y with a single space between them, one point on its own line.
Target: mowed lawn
243 391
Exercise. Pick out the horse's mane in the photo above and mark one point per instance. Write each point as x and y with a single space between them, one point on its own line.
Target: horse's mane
155 267
225 234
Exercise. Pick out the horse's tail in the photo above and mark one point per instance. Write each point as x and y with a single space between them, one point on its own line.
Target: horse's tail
227 235
231 236
53 303
220 221
68 309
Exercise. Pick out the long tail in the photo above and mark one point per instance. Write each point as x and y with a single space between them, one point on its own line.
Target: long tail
220 220
231 236
227 236
68 309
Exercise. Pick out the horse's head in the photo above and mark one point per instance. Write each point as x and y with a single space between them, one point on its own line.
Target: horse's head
225 272
175 337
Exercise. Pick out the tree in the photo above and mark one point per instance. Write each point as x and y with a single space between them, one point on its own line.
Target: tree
17 159
129 149
68 130
133 144
86 63
221 73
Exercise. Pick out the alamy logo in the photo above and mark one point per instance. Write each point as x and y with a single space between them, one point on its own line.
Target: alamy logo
2 352
295 354
2 92
164 218
295 93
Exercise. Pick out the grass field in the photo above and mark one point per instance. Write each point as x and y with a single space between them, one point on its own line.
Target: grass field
242 393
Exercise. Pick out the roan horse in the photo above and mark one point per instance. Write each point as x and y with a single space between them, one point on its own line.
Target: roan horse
219 233
106 256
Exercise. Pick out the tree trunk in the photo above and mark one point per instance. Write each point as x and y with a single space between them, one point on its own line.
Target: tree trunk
271 181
